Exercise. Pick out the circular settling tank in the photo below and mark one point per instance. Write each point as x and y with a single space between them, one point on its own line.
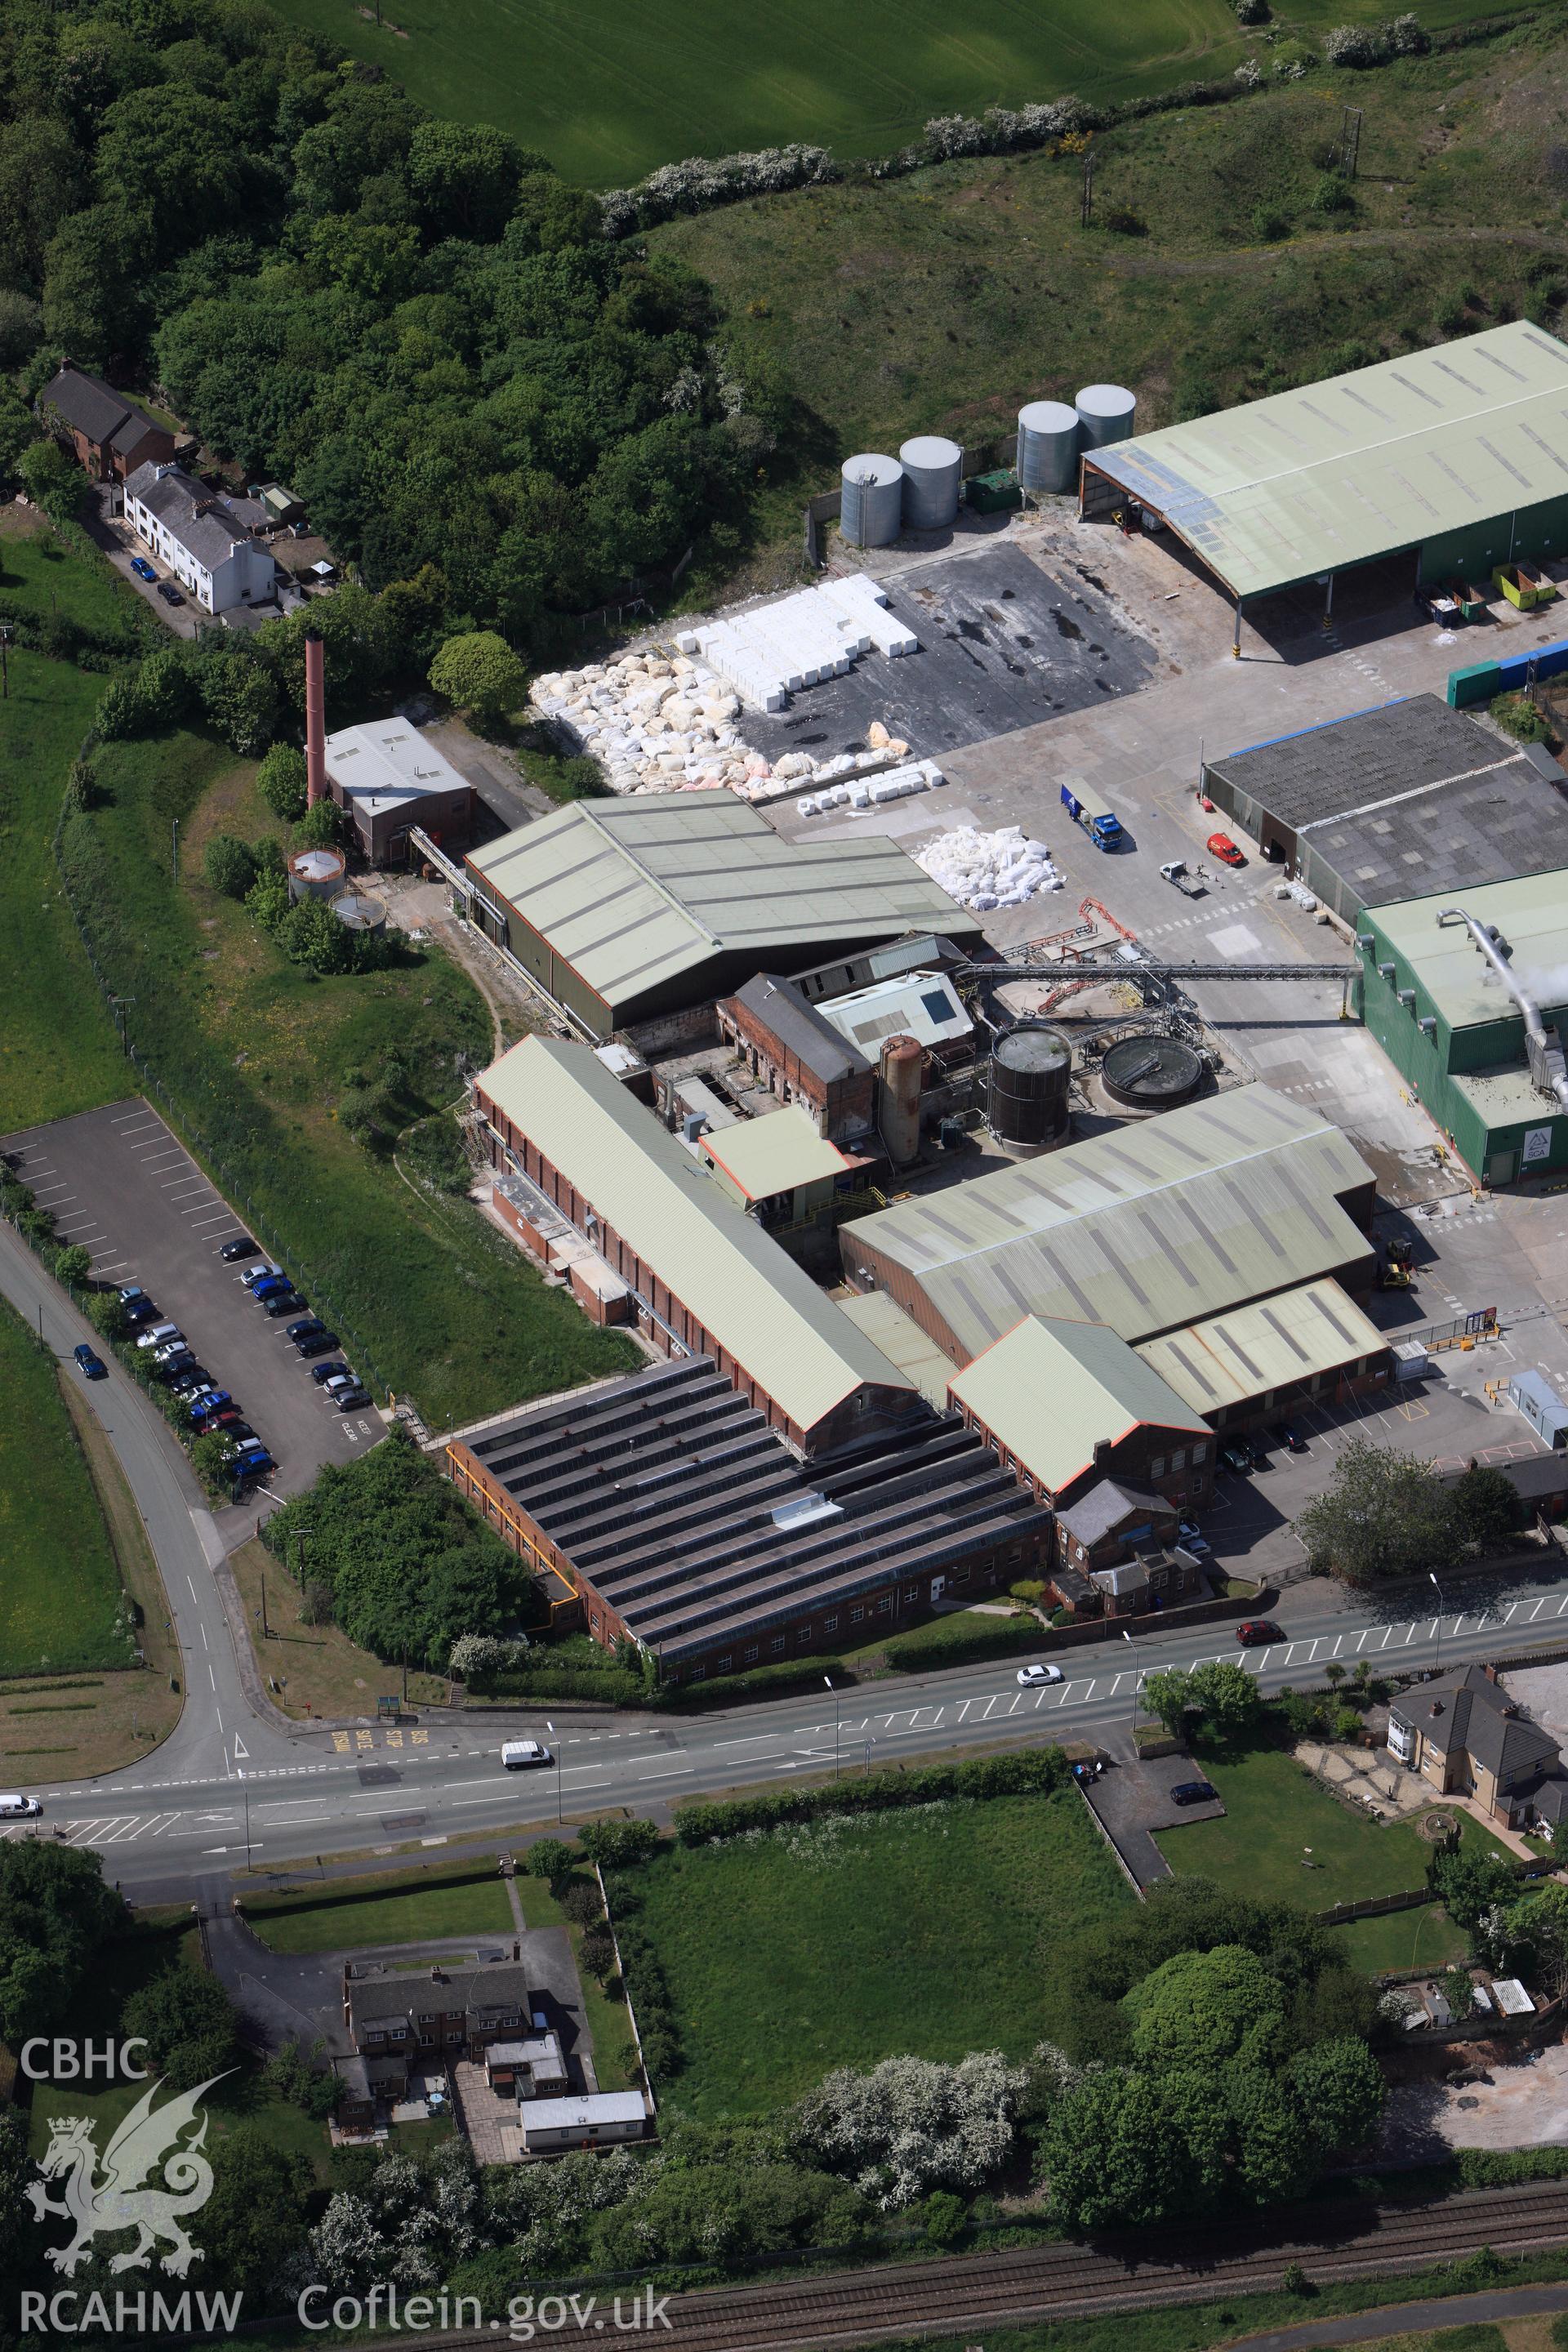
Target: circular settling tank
1150 1073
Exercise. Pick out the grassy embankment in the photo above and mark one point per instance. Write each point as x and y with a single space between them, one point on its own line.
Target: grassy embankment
60 1593
940 301
257 1053
57 1048
844 1941
608 94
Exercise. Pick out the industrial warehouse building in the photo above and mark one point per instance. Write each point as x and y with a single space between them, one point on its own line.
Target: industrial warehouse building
1211 1206
1396 803
1447 1023
1310 1344
1452 457
1066 1404
704 1277
625 910
680 1520
385 776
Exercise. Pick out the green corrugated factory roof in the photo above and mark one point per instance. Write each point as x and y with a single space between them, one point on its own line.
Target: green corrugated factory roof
633 893
1360 465
1143 1229
773 1153
1050 1392
744 1289
1531 913
1234 1359
901 1339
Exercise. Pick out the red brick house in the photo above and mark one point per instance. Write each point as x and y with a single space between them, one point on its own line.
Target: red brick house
105 430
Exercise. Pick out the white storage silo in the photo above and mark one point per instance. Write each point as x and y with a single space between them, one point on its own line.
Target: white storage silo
933 474
1048 445
873 509
1105 413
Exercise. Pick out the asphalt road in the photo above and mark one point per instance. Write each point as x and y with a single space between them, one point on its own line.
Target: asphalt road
333 1793
227 1786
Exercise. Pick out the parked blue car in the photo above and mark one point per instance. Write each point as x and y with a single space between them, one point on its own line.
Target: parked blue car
205 1406
142 568
270 1285
91 1362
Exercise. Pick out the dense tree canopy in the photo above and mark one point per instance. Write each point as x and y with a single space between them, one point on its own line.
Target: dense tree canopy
409 1566
410 320
55 1912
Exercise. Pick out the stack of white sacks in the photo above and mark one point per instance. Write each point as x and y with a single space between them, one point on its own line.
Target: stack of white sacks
982 870
779 649
658 724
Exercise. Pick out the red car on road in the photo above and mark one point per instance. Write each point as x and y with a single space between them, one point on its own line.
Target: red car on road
1221 845
1254 1631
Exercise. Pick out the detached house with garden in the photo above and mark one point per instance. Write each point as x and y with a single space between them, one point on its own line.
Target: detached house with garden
1465 1734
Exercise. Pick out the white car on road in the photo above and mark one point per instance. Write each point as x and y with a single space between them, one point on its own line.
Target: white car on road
1030 1675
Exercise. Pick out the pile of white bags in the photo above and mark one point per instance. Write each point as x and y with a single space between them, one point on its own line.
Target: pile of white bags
860 792
653 725
776 650
983 870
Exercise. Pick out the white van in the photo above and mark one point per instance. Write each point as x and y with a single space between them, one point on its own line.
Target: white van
18 1808
518 1754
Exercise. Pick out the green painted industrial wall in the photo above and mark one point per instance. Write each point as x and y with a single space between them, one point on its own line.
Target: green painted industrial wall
1471 553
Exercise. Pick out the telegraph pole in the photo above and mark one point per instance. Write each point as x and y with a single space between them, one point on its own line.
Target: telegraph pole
1087 214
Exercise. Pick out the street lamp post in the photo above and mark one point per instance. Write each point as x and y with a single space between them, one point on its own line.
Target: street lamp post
560 1801
828 1680
1437 1589
244 1791
1132 1646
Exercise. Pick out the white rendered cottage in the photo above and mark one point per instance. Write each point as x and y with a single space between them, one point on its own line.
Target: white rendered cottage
204 539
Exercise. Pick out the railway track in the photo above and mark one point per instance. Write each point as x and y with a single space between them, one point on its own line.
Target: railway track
1166 2265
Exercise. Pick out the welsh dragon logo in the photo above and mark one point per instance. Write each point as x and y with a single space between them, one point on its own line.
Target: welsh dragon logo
145 2144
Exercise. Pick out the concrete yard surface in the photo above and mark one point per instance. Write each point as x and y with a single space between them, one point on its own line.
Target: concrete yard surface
1524 2106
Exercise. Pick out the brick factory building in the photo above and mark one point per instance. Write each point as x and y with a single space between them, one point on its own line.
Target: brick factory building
801 1058
704 1277
681 1520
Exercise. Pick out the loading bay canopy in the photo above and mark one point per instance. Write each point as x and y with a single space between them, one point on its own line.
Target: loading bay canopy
1372 464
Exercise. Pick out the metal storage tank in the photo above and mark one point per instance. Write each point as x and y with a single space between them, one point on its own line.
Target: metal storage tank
873 512
933 476
316 873
1105 412
1151 1074
1026 1092
1048 445
366 916
899 1074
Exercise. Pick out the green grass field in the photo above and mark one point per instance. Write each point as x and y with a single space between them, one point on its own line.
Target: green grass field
59 1587
1274 1812
1426 1938
849 1940
57 1052
254 1052
403 1914
608 91
940 301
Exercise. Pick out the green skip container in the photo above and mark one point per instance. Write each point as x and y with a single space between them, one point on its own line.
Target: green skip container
992 493
1481 682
